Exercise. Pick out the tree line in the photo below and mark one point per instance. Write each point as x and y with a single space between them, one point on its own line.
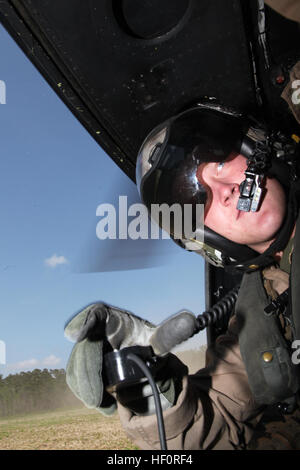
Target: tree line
38 390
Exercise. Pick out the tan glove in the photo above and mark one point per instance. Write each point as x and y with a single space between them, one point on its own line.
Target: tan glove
101 327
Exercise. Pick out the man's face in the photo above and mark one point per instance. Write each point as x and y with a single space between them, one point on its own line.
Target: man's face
255 229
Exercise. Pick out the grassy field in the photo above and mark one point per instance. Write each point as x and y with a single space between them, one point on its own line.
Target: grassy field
77 429
57 430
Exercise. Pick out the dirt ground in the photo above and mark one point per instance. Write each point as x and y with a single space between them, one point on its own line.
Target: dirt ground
71 429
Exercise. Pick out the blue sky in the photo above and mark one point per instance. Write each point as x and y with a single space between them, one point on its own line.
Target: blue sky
53 175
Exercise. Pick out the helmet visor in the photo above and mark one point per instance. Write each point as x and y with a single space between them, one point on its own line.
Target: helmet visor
171 155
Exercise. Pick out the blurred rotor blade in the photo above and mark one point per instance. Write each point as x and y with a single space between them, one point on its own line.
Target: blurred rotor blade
124 254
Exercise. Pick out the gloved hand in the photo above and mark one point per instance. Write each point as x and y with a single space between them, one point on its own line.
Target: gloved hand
100 328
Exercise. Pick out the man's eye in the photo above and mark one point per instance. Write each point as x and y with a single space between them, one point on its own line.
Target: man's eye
220 167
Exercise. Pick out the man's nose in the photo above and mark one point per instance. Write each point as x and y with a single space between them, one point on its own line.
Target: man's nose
228 193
